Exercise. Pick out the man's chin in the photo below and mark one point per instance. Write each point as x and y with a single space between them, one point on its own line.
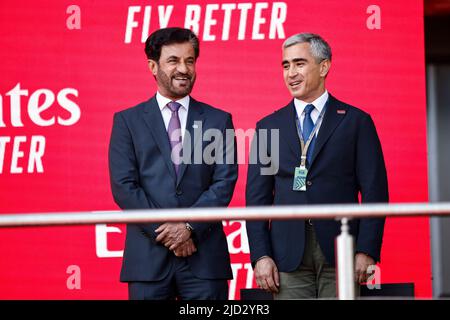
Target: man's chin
298 94
181 92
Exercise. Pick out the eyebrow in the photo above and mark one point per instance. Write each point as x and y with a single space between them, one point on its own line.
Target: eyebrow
177 58
294 61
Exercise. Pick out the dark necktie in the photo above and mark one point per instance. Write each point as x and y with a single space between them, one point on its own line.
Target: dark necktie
308 126
174 132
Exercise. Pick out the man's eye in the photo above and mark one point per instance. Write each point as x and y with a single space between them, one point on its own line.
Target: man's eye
285 66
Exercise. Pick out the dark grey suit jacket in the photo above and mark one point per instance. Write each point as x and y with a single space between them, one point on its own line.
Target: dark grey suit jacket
143 177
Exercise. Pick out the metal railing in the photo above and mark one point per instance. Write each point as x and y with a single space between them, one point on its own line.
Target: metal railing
342 212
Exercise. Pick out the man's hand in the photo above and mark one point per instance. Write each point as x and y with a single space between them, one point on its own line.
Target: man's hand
362 262
185 249
266 274
172 234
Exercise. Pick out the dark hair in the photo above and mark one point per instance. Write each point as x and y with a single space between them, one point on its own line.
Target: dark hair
167 36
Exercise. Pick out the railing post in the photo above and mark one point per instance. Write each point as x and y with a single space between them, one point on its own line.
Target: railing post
345 263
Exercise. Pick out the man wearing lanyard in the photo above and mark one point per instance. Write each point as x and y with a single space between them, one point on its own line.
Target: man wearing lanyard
330 154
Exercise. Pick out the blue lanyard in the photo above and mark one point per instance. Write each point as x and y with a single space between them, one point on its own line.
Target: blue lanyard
304 145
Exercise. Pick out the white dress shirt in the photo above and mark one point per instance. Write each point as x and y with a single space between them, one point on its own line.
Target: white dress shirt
167 113
319 103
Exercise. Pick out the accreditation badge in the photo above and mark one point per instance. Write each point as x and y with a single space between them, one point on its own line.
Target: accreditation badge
300 178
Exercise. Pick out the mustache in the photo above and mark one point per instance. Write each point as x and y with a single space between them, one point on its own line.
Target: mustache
182 75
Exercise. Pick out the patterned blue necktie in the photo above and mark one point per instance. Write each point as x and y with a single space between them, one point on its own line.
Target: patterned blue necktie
308 126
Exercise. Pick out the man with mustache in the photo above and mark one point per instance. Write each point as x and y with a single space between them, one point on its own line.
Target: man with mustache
330 154
172 260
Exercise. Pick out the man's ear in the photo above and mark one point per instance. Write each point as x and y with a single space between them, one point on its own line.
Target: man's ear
153 66
325 66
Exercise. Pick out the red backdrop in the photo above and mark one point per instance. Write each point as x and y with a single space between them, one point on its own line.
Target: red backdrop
66 69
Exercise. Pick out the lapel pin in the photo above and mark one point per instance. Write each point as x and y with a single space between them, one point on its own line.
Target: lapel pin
341 111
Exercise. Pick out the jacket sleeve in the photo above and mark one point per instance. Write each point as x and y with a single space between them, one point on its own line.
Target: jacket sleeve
259 192
123 171
373 185
223 180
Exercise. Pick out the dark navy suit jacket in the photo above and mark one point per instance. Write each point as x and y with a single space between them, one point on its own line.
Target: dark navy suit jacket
143 177
347 161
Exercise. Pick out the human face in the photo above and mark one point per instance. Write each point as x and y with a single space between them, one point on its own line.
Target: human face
175 70
304 77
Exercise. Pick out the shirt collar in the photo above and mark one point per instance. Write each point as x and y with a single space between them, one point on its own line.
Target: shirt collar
319 103
163 101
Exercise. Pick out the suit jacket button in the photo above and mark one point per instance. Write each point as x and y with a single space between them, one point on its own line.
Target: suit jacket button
179 192
309 183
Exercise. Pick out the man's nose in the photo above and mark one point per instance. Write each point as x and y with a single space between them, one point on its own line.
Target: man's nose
182 67
292 71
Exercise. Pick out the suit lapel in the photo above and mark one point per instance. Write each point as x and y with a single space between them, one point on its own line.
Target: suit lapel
154 120
290 130
331 120
194 122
